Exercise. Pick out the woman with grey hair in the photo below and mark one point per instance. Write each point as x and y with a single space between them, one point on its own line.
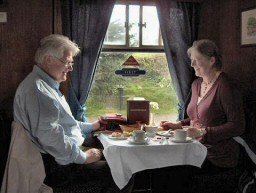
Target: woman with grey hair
215 112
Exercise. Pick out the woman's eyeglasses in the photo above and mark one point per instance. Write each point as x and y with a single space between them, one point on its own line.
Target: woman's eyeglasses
67 64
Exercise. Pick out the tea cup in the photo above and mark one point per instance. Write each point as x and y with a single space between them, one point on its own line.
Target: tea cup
180 134
139 136
150 130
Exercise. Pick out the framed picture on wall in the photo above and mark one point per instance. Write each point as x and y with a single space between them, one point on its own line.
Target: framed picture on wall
248 27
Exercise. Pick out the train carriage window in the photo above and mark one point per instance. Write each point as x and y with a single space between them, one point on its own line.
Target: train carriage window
133 31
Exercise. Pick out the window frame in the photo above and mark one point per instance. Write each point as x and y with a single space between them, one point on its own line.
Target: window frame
141 48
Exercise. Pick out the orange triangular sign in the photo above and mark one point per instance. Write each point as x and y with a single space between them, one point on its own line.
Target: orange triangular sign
131 61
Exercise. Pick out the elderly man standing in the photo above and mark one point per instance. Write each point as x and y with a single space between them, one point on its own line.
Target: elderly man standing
43 111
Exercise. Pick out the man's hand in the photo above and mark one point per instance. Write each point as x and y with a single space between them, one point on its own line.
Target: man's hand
96 125
93 155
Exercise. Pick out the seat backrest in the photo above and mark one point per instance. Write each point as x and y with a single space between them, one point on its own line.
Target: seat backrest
24 171
248 139
5 138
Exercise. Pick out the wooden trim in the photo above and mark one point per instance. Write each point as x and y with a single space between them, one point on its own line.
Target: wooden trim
57 29
153 1
144 2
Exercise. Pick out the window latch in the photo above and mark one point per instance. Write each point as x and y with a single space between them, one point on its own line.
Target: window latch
142 24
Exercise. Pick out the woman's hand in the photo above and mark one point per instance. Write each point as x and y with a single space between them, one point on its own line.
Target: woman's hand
166 125
195 133
93 155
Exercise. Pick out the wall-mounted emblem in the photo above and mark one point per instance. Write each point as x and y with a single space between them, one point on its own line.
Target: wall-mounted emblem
132 68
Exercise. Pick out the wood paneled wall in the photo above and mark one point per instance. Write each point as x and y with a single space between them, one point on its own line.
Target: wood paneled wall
221 22
27 22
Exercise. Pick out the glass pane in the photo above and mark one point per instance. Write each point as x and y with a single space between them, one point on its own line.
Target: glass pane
109 92
150 30
134 15
115 34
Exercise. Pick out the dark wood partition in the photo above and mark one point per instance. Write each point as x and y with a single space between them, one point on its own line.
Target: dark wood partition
27 22
221 22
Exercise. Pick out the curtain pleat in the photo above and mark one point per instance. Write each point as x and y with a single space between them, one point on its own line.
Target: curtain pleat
86 23
179 26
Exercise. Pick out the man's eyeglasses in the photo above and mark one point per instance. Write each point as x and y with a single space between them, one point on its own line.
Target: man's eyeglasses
67 64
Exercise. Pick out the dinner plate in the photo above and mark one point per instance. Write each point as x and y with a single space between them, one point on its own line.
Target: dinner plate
130 139
188 139
164 133
117 138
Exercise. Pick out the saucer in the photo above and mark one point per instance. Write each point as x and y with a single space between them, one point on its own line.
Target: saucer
188 139
130 139
117 138
165 133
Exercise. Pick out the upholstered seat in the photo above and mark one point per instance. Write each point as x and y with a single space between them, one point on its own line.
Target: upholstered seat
91 187
224 182
24 171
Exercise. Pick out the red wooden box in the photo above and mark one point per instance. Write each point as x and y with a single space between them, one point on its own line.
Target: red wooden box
137 110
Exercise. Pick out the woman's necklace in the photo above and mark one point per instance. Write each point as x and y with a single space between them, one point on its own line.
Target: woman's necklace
208 84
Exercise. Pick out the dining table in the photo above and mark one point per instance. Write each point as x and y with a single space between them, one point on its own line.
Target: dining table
126 158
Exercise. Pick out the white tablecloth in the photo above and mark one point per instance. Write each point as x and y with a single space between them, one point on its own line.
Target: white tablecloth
125 159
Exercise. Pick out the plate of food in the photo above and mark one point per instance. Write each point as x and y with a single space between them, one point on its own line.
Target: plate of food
168 133
117 136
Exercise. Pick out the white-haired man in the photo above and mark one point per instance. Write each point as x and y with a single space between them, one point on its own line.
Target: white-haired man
44 112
